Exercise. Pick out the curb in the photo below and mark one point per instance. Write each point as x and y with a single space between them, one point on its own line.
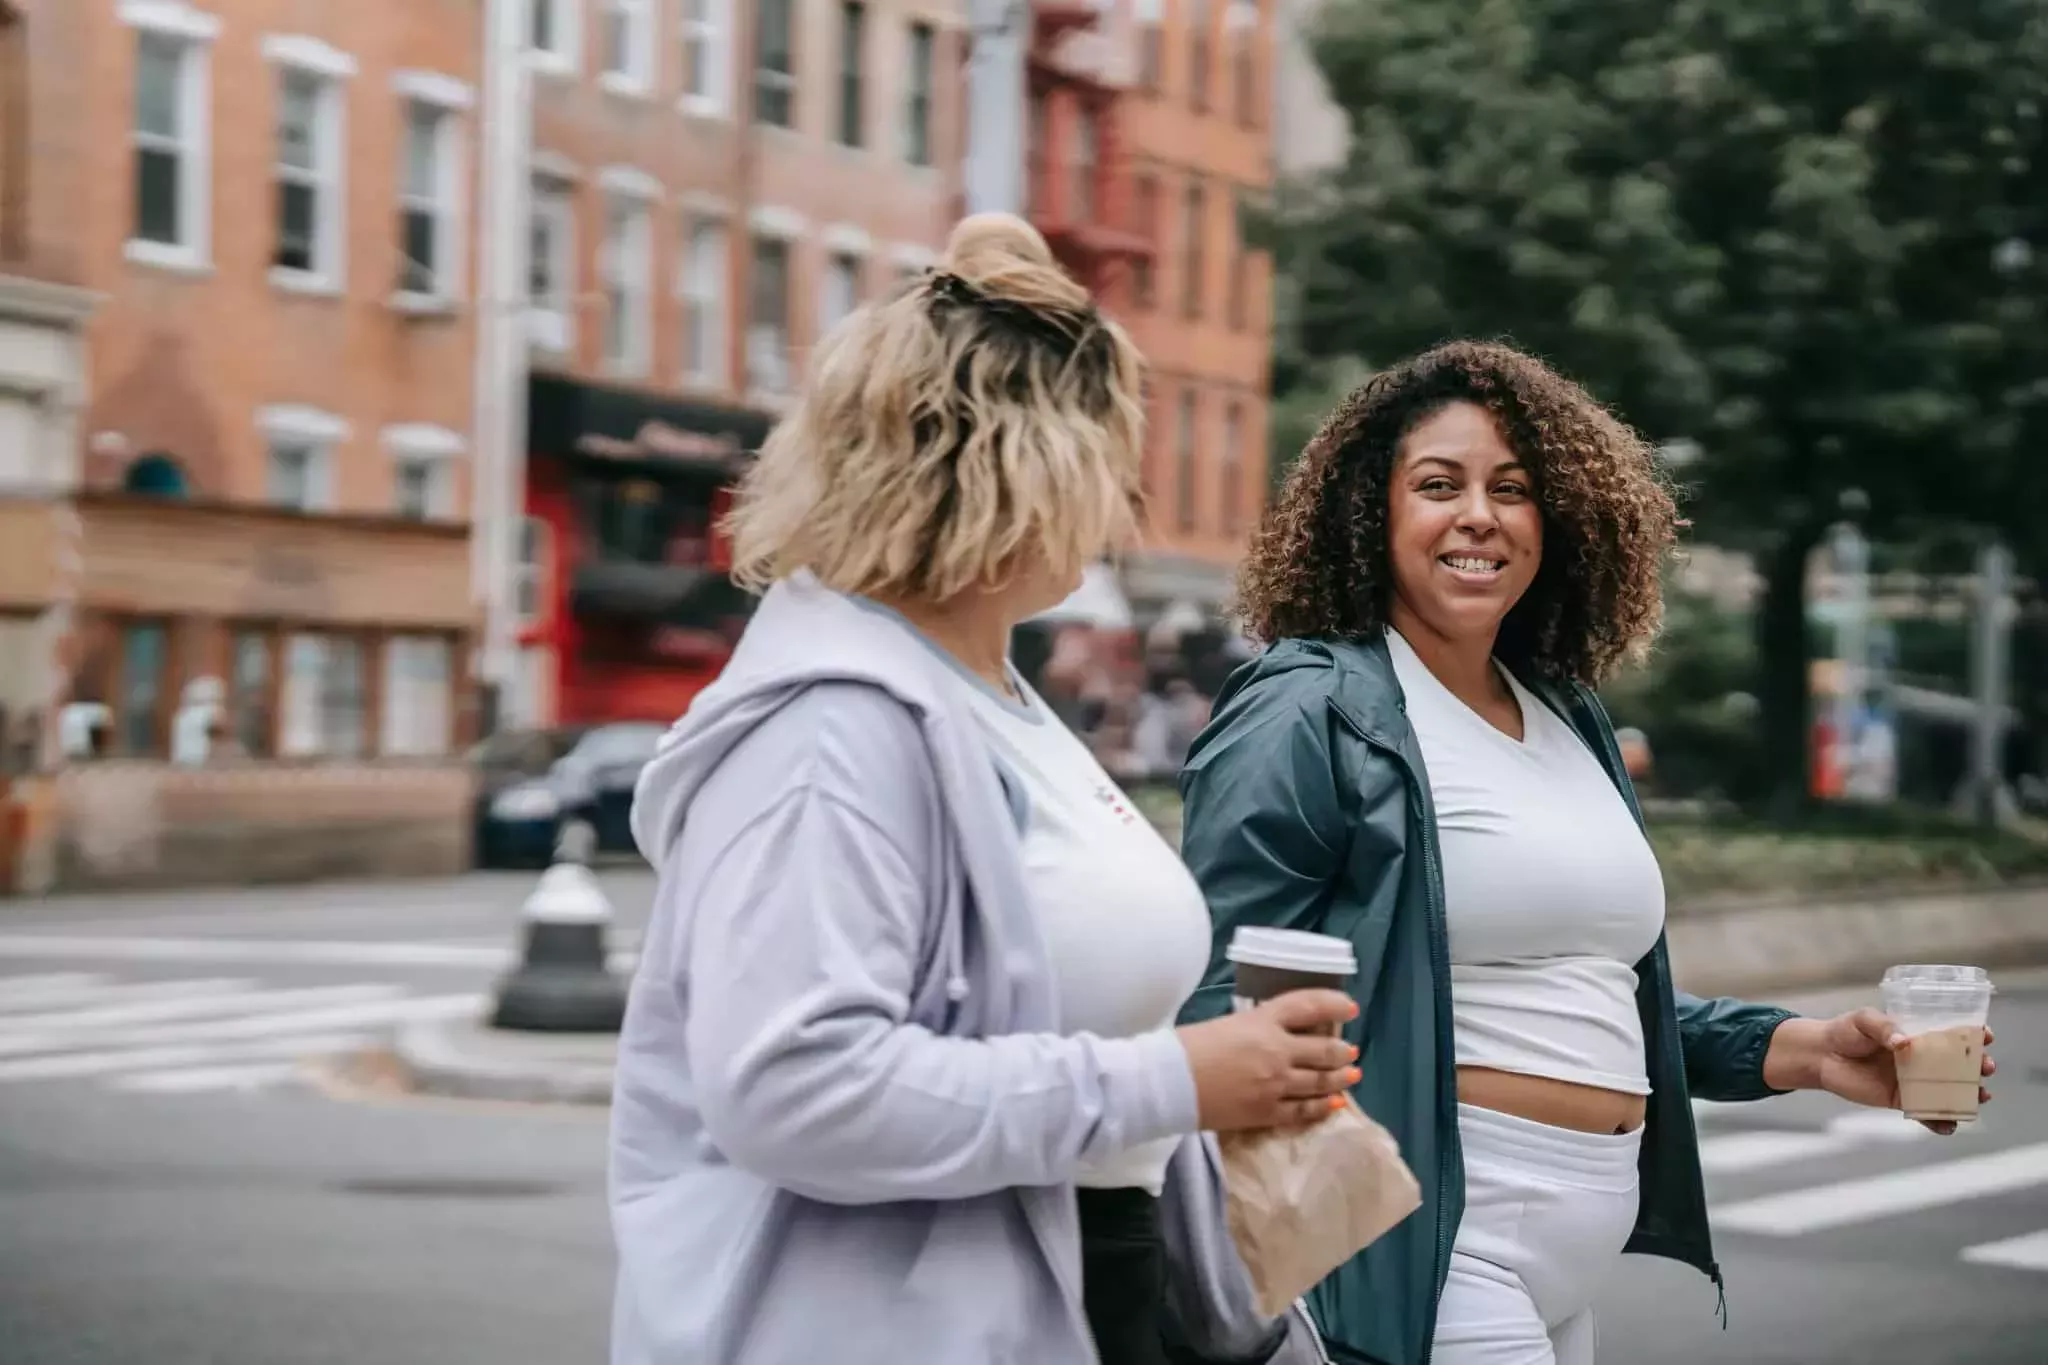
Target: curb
432 1064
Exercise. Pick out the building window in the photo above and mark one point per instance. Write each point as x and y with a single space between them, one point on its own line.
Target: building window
557 26
1231 471
628 45
145 662
422 469
1239 304
917 114
626 267
171 141
1200 53
853 27
1145 268
413 483
14 145
841 294
700 289
249 698
310 215
551 267
417 705
768 341
1184 461
325 704
1194 264
530 574
702 27
1086 138
426 203
1242 18
293 474
775 65
1151 24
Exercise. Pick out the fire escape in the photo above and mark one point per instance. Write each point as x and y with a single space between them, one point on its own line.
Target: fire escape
1082 194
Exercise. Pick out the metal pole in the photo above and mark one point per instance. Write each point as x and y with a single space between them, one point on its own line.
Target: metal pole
993 178
504 182
1990 655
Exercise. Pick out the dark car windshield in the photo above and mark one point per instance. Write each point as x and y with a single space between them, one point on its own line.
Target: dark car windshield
611 745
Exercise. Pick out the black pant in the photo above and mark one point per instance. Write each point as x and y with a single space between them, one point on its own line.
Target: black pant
1123 1275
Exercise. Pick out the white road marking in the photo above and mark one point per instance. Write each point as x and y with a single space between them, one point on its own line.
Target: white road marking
2014 1253
47 1032
193 1079
131 1002
337 952
32 992
113 1062
1856 1201
369 1014
1730 1153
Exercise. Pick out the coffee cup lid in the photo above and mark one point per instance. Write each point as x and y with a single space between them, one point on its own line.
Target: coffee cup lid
1937 976
1292 950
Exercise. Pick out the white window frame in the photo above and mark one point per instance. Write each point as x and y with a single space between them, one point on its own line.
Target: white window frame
194 32
434 447
788 227
636 78
843 242
551 321
396 728
446 98
789 82
706 289
566 56
708 22
625 268
532 570
319 432
331 67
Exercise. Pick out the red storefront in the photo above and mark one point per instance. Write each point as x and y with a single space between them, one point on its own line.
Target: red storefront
629 612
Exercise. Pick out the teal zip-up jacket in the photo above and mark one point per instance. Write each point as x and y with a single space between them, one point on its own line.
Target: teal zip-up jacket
1306 806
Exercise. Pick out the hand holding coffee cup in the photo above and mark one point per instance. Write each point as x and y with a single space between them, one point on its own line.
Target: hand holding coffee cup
1276 1058
1940 1041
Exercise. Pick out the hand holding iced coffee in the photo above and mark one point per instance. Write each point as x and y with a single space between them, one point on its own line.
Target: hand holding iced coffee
1940 1013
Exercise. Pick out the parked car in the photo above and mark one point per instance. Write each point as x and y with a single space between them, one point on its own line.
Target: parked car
533 782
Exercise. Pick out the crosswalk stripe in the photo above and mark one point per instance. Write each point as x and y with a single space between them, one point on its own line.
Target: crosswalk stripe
49 1032
362 1014
1845 1202
2014 1253
192 1079
137 1001
1757 1149
335 953
78 1064
32 992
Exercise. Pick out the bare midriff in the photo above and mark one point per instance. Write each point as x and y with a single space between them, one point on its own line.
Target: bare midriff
1561 1104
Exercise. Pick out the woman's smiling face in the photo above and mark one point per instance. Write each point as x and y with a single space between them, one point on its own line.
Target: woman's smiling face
1464 530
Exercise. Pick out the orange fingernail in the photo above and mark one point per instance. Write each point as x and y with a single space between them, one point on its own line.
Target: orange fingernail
1336 1102
1353 1076
1354 1011
1354 1054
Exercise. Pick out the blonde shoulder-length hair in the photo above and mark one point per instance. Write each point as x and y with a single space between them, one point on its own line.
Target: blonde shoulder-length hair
984 421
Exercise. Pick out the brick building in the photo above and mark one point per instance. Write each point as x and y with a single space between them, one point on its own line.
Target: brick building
235 597
713 184
1150 124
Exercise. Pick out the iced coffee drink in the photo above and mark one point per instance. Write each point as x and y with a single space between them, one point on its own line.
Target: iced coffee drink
1942 1010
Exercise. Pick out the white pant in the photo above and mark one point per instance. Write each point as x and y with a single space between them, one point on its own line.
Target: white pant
1547 1211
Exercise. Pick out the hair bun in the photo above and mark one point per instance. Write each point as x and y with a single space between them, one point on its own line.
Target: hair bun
1006 258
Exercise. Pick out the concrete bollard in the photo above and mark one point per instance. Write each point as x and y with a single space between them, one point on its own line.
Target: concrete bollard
564 982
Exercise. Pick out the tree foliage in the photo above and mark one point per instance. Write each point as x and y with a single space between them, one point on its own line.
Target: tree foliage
1809 237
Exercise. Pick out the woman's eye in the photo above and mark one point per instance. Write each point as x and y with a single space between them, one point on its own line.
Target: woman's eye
1439 486
1512 490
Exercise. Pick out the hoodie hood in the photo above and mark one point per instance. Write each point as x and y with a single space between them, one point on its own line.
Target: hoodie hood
803 633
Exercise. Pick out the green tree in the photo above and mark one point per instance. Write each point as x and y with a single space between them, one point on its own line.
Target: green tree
1800 235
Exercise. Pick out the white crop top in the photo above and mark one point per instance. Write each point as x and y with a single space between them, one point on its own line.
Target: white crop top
1124 921
1551 891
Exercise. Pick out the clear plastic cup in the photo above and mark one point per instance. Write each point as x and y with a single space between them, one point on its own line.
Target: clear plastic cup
1942 1010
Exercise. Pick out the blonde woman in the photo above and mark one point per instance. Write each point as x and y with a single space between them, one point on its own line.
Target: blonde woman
914 962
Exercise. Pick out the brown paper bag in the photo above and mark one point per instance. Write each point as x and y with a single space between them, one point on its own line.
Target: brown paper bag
1302 1201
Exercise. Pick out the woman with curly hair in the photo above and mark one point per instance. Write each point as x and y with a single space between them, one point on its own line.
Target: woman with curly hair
1418 764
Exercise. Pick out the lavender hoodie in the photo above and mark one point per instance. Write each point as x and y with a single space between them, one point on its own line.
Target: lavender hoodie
844 1128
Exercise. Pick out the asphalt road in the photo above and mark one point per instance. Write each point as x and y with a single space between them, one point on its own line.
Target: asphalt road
177 1185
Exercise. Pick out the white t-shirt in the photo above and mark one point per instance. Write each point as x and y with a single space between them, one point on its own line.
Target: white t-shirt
1124 921
1551 891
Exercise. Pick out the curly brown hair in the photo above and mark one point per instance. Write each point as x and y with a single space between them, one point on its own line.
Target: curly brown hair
1318 564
